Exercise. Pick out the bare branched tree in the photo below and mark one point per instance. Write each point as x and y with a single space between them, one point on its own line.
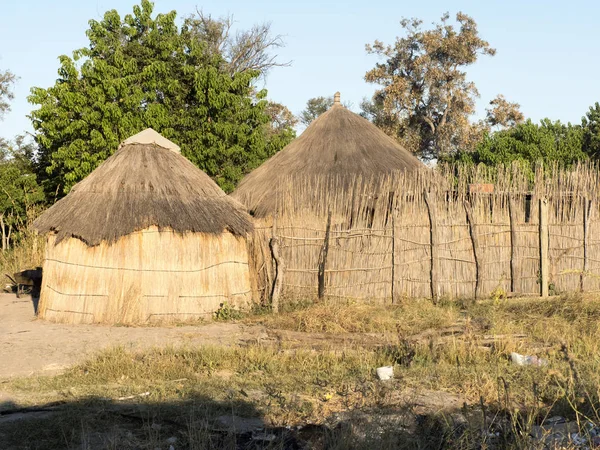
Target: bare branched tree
7 80
243 50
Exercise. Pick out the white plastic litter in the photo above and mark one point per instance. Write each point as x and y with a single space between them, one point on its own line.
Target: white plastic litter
527 360
385 373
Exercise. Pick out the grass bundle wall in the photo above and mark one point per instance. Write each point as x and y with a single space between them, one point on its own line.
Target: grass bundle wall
144 277
383 244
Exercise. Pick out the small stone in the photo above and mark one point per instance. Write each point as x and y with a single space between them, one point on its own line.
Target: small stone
171 440
156 426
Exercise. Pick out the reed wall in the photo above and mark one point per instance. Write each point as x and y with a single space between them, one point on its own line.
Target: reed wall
145 277
453 232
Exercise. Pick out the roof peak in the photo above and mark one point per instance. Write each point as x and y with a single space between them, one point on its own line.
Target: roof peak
150 136
336 99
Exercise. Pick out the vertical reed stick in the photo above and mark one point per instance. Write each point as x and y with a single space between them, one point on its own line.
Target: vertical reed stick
433 237
586 218
279 268
393 255
475 242
513 245
323 258
544 241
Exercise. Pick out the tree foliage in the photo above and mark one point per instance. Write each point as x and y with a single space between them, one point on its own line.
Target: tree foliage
424 97
547 142
142 71
591 131
314 108
504 114
19 189
7 80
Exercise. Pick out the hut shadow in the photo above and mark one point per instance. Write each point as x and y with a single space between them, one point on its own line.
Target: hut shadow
35 301
201 422
95 423
36 288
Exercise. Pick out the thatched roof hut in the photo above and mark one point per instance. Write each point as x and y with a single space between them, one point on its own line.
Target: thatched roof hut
147 236
339 145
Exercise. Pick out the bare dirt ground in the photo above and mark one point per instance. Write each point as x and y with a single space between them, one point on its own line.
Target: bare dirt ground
30 346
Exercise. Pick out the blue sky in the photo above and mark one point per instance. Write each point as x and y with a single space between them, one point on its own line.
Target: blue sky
547 56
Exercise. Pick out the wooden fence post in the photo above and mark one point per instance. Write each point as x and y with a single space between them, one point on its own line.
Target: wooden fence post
475 242
513 246
544 247
323 258
279 268
433 237
587 208
393 256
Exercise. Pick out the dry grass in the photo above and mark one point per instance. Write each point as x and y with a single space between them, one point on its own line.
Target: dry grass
407 318
28 254
188 388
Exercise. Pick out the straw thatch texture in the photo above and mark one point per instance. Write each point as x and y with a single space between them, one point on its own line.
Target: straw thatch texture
143 185
384 246
338 145
148 276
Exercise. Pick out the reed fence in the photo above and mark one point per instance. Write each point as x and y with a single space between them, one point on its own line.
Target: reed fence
454 232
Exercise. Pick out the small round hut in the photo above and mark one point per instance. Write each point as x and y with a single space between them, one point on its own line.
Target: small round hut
339 147
146 237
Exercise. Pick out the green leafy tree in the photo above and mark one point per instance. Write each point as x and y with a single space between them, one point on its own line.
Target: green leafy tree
142 71
591 131
19 189
424 98
314 108
280 129
529 143
317 106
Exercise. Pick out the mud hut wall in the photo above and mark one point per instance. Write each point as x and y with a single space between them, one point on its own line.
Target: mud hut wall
148 276
377 240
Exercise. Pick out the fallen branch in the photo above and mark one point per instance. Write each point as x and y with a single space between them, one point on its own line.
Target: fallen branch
129 397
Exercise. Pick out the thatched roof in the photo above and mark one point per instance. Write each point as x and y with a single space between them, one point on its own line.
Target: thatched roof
145 183
339 144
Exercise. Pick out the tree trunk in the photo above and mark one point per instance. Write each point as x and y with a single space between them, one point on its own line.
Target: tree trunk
10 230
3 232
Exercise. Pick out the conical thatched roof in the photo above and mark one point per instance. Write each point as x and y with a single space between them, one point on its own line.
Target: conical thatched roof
145 183
339 144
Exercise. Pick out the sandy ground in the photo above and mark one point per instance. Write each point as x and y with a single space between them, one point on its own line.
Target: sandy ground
29 345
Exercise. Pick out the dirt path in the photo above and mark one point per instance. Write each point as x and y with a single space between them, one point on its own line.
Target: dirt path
29 346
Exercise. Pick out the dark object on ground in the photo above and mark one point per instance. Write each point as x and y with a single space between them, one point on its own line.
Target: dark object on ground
27 281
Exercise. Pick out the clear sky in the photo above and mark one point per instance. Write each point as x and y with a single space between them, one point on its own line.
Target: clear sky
548 56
